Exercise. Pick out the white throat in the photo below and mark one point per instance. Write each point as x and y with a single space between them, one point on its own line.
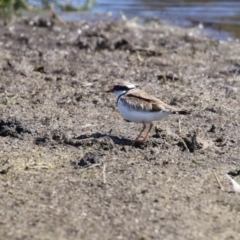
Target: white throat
119 92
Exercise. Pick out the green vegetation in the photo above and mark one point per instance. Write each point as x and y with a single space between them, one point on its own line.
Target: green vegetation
8 8
86 7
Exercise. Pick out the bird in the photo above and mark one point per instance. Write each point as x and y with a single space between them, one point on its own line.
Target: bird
136 105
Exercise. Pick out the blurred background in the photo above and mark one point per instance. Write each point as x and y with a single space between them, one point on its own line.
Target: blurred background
220 18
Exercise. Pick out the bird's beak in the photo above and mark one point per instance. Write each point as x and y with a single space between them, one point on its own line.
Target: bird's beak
110 90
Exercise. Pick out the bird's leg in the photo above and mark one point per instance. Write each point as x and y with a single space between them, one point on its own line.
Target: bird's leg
137 139
147 135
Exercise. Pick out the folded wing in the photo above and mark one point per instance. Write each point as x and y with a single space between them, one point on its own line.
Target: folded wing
137 99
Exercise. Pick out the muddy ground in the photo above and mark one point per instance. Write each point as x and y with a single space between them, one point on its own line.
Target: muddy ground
67 167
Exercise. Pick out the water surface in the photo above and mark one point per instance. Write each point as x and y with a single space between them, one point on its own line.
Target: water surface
221 16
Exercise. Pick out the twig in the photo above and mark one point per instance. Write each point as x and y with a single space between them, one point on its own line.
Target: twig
92 166
218 181
164 78
104 173
185 145
139 56
123 16
55 15
179 125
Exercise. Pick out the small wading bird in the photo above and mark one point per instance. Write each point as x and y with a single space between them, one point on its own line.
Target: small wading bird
135 105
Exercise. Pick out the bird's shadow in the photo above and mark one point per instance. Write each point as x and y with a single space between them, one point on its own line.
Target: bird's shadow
98 135
117 140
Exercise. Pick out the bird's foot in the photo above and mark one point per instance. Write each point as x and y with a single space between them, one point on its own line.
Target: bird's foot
139 140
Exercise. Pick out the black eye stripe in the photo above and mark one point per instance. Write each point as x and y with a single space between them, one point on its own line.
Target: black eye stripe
121 88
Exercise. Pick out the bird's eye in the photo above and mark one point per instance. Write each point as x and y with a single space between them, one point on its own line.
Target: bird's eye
121 88
116 87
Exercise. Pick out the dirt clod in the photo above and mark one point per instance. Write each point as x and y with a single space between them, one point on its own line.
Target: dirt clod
89 159
13 128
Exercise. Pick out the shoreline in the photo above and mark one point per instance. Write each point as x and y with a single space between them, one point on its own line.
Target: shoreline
93 17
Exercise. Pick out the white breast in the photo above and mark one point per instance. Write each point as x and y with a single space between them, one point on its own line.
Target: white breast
140 116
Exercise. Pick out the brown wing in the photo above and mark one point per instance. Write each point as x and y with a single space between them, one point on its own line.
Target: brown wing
140 100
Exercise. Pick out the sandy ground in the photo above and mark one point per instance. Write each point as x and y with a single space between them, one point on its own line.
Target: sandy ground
67 167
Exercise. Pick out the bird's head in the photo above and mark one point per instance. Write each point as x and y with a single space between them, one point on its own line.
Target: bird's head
121 88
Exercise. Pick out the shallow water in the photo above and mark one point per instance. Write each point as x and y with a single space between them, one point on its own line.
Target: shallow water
220 18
